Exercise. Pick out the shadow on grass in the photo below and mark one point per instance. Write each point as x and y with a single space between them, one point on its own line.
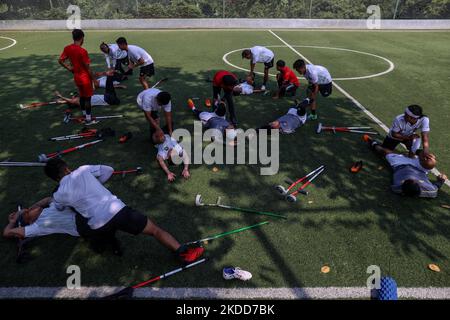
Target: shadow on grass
24 135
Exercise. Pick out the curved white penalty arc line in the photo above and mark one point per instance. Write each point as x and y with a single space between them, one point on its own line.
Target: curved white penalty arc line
390 69
14 42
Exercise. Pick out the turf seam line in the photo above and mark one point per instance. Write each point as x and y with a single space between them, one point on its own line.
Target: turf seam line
221 293
351 98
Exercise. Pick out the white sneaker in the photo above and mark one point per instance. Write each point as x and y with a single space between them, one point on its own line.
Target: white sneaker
236 273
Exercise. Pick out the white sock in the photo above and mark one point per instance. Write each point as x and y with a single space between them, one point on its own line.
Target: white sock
88 117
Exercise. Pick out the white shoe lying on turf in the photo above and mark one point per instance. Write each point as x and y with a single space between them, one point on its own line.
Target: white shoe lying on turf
236 273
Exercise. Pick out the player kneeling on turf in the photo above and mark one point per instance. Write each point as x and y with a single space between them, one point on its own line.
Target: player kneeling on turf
168 149
404 130
410 174
83 190
293 119
287 81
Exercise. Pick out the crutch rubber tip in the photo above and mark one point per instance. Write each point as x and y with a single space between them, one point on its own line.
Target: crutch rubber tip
291 198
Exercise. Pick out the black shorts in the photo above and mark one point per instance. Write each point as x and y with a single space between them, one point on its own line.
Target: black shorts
391 144
269 64
147 70
326 89
126 220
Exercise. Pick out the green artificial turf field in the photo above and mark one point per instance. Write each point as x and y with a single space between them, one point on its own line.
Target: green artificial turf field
348 222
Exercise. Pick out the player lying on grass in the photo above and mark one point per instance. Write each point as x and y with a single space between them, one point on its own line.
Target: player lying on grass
410 174
319 80
226 81
82 73
151 101
216 122
168 150
246 87
138 58
404 130
287 81
256 55
104 213
41 219
109 98
115 57
292 120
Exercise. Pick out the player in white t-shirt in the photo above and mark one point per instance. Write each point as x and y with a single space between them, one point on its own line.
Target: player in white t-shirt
319 80
168 150
114 56
138 58
258 54
105 214
151 101
41 219
247 87
404 130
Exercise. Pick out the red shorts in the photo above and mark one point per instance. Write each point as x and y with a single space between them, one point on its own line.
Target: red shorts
84 85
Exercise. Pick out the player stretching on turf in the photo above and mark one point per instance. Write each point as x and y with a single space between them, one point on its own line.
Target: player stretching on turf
287 81
82 73
293 119
216 122
404 129
139 58
106 214
319 81
114 56
410 174
246 87
226 81
151 101
109 98
41 219
168 148
256 55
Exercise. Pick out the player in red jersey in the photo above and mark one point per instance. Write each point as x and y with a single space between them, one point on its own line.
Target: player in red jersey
226 81
287 80
82 73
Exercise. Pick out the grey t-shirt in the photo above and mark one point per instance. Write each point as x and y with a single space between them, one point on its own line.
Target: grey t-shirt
407 172
217 123
291 121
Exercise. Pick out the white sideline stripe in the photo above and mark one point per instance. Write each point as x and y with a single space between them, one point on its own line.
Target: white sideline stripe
219 293
14 42
356 102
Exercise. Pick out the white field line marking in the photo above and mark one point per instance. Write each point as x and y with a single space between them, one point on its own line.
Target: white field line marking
356 102
390 69
14 42
219 293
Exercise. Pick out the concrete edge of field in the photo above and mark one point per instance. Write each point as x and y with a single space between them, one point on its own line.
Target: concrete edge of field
124 24
218 293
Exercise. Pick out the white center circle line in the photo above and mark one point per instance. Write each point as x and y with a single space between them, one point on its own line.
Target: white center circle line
390 69
11 45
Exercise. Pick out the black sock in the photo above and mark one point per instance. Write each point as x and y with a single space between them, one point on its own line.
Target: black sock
313 112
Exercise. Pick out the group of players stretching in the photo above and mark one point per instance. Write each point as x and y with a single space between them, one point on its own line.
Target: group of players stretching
83 206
